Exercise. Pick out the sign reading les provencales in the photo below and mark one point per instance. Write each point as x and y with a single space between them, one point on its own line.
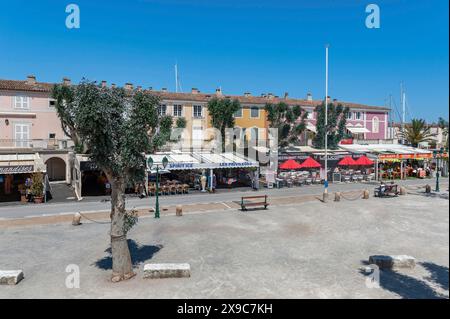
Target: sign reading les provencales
17 169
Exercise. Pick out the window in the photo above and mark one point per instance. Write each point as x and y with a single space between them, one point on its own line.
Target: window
51 135
198 111
358 115
22 135
177 110
349 115
162 110
310 115
51 103
21 102
254 112
375 125
238 113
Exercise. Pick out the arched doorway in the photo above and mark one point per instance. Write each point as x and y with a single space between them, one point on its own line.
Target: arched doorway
56 169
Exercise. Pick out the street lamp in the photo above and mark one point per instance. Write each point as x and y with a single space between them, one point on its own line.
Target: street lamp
437 155
150 164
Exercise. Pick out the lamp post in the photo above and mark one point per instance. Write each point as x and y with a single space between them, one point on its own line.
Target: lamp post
437 155
150 164
325 193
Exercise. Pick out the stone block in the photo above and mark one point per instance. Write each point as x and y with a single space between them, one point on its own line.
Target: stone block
10 277
393 262
157 271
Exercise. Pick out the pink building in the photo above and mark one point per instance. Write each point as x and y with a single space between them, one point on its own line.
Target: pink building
364 122
29 124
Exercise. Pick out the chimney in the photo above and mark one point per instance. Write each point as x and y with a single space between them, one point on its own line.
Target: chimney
195 91
31 79
286 95
270 96
334 100
128 86
103 84
164 89
219 92
150 88
247 94
66 81
113 85
263 95
139 88
309 97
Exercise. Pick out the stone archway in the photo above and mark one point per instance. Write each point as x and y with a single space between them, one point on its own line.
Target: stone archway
56 169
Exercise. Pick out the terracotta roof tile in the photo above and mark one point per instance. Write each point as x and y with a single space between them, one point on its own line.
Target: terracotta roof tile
25 86
198 97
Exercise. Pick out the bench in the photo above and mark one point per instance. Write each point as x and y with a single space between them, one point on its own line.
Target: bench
254 201
386 190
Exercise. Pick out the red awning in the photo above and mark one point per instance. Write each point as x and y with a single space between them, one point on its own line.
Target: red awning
290 164
364 161
347 161
310 163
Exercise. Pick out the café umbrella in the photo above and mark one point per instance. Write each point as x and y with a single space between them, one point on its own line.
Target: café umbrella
290 165
347 161
310 163
364 161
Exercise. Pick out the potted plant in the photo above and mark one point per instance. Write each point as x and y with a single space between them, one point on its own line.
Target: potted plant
37 187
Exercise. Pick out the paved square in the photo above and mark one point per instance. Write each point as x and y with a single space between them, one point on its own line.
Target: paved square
308 250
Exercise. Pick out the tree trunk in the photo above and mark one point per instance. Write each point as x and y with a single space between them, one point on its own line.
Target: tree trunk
121 259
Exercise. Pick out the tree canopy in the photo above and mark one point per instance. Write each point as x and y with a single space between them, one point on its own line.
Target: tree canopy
290 122
417 132
222 111
335 130
117 127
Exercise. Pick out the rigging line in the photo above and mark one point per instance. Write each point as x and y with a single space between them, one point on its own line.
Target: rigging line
396 109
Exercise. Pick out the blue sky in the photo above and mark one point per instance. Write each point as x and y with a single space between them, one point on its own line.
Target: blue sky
257 46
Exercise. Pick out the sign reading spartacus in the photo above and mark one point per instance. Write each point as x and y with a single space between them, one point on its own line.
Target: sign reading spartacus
18 169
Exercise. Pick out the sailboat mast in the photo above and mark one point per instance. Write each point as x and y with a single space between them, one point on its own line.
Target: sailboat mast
176 78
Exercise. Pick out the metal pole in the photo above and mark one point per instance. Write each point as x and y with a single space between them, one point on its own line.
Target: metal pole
437 173
157 193
326 120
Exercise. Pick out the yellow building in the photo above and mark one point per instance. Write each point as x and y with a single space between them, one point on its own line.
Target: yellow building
251 119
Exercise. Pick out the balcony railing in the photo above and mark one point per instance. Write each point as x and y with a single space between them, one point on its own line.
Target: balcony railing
35 144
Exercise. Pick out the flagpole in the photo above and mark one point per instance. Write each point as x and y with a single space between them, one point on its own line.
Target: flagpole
326 123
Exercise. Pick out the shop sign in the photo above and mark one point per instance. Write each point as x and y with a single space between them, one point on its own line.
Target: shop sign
231 165
190 166
404 156
17 169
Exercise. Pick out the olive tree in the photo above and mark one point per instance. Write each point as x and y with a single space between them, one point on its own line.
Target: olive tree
289 120
117 127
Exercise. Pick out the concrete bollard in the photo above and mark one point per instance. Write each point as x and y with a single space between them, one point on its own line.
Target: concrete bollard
427 189
179 210
76 219
325 197
402 190
337 196
366 194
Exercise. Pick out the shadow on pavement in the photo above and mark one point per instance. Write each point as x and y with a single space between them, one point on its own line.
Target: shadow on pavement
139 253
409 287
438 274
